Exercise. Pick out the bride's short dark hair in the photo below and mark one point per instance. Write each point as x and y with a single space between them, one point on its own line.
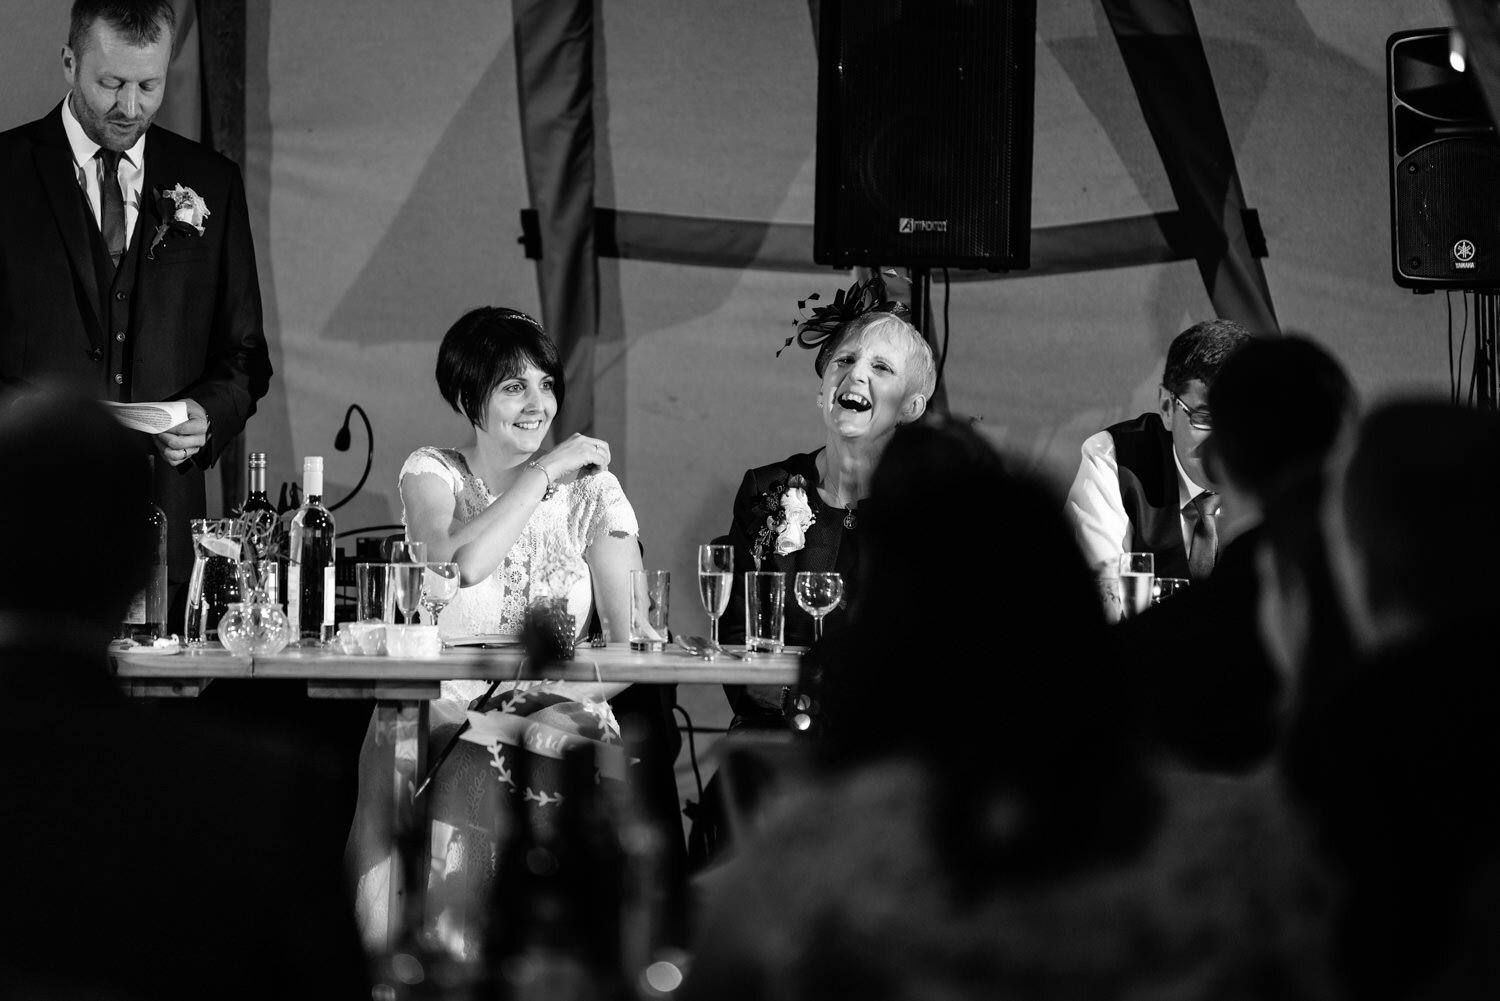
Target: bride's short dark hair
484 348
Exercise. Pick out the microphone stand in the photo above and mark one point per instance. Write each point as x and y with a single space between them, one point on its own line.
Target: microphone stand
341 443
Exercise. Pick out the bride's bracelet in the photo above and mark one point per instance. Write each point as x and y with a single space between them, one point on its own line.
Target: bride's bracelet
551 487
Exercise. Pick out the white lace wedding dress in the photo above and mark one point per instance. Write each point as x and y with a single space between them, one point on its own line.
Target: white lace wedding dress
548 560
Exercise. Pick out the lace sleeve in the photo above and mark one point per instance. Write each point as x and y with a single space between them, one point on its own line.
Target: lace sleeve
601 507
430 460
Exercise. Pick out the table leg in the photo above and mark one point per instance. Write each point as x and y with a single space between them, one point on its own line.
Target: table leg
402 726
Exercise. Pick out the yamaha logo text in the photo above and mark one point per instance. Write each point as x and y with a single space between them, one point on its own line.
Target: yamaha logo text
910 225
1463 255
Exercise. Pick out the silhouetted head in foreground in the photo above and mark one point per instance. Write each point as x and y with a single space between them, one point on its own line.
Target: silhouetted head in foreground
74 506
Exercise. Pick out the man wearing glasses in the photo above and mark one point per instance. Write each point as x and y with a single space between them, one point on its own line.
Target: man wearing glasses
1141 486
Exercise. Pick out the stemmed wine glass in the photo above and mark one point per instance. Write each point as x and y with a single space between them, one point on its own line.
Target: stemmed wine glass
818 594
439 586
715 575
407 583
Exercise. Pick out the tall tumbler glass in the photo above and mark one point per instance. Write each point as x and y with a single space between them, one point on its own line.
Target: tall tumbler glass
650 596
765 611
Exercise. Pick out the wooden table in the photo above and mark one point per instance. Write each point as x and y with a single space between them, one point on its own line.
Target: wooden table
401 689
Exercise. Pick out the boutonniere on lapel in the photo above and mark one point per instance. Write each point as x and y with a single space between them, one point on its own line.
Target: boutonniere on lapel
181 209
788 516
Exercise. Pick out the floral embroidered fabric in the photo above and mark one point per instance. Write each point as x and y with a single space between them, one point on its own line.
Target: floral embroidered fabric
548 560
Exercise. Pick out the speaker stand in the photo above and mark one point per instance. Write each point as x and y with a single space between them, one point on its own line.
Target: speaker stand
1486 320
921 318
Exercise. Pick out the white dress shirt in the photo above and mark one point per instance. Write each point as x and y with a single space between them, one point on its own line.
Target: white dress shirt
1098 511
131 172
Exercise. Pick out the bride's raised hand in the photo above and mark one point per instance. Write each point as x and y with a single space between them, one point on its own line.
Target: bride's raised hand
575 456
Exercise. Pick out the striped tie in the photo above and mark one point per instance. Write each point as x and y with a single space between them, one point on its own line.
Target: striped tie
1205 544
112 216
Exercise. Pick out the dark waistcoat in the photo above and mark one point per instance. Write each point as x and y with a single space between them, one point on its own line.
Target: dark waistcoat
1148 486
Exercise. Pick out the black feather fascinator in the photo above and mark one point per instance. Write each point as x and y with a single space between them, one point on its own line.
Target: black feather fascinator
816 330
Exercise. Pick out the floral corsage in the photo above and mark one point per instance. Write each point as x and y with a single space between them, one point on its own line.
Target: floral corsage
788 516
184 211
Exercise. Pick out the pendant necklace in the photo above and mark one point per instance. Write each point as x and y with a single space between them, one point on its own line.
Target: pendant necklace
849 520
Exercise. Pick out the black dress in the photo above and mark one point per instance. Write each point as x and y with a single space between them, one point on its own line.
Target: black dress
832 543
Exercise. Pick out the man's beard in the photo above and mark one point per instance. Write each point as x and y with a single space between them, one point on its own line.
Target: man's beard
97 127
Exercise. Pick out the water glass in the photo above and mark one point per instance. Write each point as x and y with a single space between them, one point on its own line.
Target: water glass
1137 573
439 586
818 594
372 585
650 592
215 582
765 611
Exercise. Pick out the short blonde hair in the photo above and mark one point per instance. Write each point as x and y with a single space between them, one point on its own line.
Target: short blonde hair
923 376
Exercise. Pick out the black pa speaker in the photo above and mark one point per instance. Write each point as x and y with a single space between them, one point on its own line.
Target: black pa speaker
1445 169
924 133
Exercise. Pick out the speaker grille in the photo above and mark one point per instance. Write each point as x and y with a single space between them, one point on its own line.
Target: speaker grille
924 133
1448 192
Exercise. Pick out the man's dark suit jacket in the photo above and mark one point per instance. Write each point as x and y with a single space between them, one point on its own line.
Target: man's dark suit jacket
182 321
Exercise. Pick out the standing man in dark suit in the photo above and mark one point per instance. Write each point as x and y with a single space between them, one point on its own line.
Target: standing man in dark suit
126 264
1141 486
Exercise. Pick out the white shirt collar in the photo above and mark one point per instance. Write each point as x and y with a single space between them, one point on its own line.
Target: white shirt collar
84 148
1186 488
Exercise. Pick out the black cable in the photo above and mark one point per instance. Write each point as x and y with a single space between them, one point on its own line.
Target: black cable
1463 338
943 358
692 749
1452 377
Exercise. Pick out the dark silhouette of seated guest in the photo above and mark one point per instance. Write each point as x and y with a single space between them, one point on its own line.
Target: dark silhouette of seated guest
1401 776
145 858
987 822
1213 693
1142 485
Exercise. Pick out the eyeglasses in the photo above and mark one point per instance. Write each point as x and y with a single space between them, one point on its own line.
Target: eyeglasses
1202 420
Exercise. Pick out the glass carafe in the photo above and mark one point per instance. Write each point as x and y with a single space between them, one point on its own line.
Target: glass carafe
215 583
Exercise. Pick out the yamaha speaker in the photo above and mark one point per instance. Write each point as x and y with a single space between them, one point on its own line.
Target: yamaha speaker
924 133
1445 169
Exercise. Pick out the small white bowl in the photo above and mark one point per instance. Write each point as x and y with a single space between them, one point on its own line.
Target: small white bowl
413 642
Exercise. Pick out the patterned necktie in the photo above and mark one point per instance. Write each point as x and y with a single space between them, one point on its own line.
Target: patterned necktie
112 216
1205 543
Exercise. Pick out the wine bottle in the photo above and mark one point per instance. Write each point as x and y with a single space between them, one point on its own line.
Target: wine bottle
309 574
256 499
146 618
271 576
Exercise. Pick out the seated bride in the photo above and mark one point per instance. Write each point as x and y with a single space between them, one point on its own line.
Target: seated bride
523 525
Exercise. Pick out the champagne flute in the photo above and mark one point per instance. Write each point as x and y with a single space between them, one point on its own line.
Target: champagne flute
405 551
1137 573
407 581
818 594
715 574
439 586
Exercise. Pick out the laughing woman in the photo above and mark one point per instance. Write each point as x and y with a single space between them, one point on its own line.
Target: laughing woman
876 373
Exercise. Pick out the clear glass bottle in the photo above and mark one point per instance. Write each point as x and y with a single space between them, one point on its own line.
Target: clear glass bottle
309 576
146 618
